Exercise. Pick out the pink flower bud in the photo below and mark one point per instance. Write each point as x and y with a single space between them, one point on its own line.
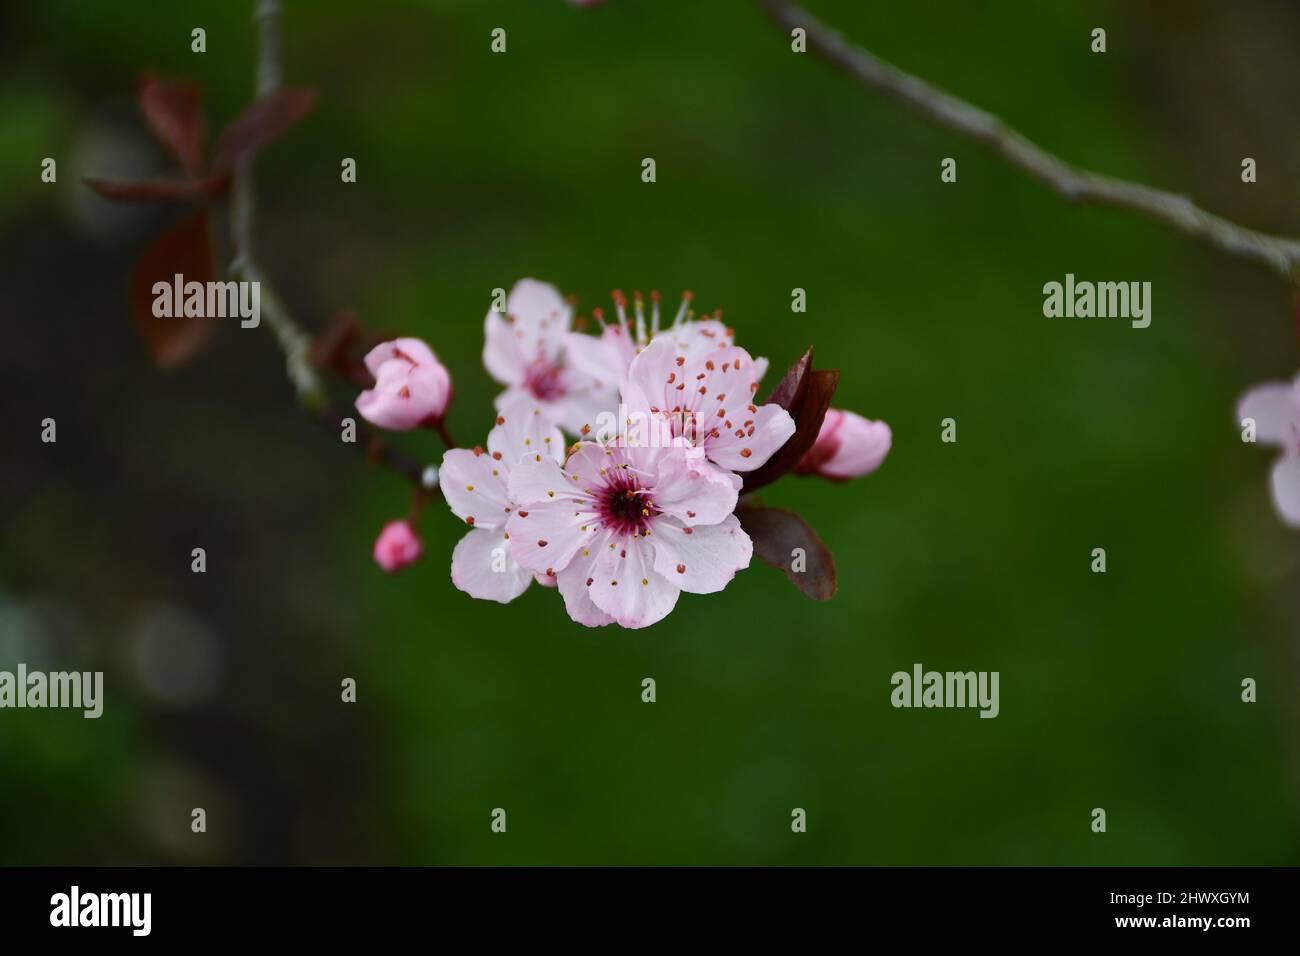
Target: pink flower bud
847 446
411 386
397 546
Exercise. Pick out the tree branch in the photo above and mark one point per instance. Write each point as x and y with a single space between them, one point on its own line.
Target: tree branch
291 337
1278 253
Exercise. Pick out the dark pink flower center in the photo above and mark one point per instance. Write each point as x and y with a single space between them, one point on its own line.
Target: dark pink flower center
542 379
625 508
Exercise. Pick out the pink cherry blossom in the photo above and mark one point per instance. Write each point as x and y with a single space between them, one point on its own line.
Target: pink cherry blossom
607 357
707 397
1275 409
847 446
475 484
412 388
397 546
525 351
625 530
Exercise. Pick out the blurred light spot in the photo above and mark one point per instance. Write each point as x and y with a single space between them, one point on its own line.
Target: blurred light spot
176 656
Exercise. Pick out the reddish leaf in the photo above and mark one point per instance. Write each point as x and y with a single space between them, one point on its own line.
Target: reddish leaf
783 540
336 348
185 248
157 190
793 383
173 110
266 120
806 394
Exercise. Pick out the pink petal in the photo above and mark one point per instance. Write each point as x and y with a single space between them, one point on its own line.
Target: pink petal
626 586
695 338
860 446
737 449
538 479
689 494
502 356
524 429
475 487
603 358
1286 488
1276 412
575 590
585 463
655 380
545 534
582 403
397 546
541 319
416 350
705 560
411 388
482 567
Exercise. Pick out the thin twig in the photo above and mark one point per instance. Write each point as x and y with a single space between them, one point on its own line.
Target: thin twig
1279 253
292 338
295 342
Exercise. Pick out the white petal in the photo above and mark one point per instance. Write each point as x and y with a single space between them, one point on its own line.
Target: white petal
576 591
537 479
706 559
546 536
540 316
482 567
475 487
1286 488
603 358
755 438
501 353
625 585
524 429
1275 410
692 494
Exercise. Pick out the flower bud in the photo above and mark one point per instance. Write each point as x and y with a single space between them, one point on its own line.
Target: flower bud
412 388
397 546
847 446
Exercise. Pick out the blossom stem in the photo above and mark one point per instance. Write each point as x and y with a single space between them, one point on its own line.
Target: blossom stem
440 426
1279 253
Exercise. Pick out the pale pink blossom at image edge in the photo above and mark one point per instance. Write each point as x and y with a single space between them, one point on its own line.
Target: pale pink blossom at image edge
847 446
625 530
412 388
475 485
397 546
1275 409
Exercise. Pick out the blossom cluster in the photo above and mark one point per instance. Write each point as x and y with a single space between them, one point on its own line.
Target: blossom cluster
666 425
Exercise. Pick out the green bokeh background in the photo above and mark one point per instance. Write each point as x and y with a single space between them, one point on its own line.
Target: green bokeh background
1119 690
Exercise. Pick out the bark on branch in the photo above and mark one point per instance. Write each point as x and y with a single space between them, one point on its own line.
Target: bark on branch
1279 253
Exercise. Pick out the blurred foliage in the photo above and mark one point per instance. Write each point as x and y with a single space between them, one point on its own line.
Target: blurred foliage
774 172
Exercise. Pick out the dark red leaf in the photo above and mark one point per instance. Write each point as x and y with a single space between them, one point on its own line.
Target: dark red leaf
336 349
783 540
151 190
266 120
792 384
805 393
174 111
185 248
